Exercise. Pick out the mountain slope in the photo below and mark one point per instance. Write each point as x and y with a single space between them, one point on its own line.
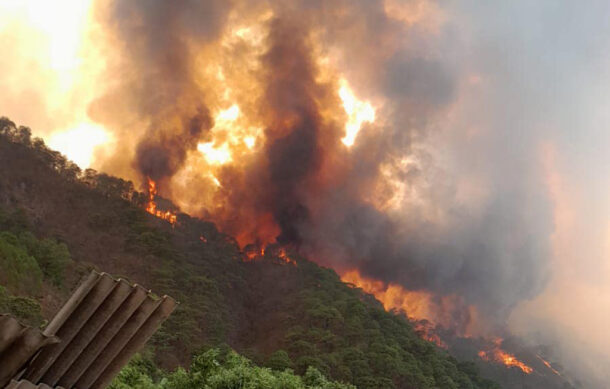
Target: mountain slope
257 307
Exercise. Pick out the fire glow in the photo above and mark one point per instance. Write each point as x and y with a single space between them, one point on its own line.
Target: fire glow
253 253
417 306
151 206
427 314
357 111
496 354
548 365
274 126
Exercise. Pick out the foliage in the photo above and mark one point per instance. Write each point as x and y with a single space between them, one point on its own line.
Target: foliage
23 308
20 271
52 257
24 259
282 316
216 369
279 360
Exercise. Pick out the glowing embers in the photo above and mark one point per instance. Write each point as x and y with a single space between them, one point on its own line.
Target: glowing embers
357 112
426 330
496 354
274 253
151 206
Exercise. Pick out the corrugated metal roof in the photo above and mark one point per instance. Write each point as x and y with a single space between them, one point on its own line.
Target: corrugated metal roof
18 344
101 326
25 384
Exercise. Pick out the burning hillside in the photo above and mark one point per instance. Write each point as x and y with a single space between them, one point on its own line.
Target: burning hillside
407 144
431 315
151 205
269 120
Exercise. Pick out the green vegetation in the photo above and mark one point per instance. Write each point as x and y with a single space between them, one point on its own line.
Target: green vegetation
24 308
25 262
300 322
216 369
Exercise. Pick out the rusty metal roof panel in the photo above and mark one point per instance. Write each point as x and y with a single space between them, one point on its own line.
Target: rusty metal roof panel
25 384
18 344
101 326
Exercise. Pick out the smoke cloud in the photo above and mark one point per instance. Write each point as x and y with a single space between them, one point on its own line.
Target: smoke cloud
482 174
390 205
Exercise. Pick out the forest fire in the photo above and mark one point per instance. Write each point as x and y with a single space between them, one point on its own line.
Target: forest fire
426 310
548 365
282 255
496 354
446 311
151 206
254 253
425 330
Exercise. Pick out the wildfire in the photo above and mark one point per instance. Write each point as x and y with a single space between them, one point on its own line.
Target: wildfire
357 111
284 257
254 253
547 364
417 305
496 354
151 206
425 330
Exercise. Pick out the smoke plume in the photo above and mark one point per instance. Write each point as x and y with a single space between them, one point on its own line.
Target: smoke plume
385 205
452 148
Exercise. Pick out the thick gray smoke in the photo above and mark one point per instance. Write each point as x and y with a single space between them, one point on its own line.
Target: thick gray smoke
493 252
159 39
473 96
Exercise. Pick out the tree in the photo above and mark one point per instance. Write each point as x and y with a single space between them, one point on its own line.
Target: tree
279 361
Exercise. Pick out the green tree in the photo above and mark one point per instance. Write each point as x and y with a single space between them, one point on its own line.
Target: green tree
279 360
19 272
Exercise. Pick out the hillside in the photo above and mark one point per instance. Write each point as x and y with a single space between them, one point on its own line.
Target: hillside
279 310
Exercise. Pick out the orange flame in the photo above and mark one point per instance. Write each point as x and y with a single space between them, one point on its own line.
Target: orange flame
417 305
498 355
425 330
284 257
547 364
254 253
151 206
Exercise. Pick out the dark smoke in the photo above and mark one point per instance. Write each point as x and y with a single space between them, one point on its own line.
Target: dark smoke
164 150
160 40
292 151
324 198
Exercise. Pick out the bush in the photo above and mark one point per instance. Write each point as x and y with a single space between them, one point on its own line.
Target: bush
279 361
216 369
25 309
52 257
19 272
